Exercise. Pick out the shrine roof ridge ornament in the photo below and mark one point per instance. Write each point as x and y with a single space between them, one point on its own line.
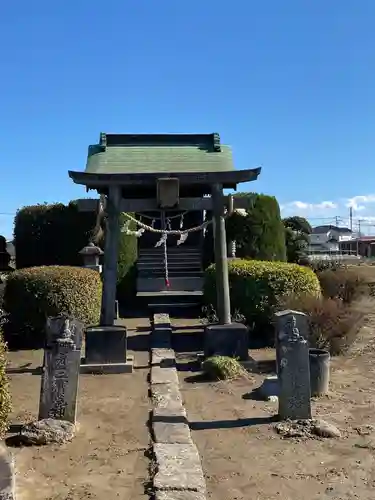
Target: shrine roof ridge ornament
209 141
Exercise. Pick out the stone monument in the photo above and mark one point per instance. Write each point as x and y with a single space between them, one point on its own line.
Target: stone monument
293 371
62 356
282 320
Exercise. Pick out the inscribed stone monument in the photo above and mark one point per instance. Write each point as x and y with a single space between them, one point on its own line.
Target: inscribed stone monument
282 323
293 372
62 355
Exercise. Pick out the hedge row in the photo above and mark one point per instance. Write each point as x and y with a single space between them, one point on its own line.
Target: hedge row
256 288
48 235
33 294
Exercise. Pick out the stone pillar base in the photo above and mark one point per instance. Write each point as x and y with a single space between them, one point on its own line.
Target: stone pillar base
227 340
105 344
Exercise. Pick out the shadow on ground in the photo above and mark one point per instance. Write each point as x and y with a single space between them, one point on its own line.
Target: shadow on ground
266 366
200 378
231 424
188 366
26 368
254 395
139 340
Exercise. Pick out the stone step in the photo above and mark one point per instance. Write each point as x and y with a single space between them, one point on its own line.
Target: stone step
175 269
174 257
183 284
170 256
175 274
174 248
171 274
171 265
160 251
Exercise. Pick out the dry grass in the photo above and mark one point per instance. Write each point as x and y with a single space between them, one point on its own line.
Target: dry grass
223 368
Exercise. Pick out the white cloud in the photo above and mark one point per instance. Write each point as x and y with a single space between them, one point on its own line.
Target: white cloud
337 211
359 202
309 207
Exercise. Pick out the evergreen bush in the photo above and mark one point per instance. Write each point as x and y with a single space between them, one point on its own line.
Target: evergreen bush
51 234
33 294
256 287
259 234
54 234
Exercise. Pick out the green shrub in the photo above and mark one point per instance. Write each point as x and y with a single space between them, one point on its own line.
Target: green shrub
53 234
333 324
48 235
297 230
222 368
260 234
342 283
33 294
256 287
5 398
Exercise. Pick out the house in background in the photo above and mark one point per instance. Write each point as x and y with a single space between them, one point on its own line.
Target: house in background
328 239
363 246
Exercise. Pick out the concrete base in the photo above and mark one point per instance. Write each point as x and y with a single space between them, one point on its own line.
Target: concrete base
227 340
108 368
105 344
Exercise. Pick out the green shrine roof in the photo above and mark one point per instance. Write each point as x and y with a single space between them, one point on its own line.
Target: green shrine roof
157 153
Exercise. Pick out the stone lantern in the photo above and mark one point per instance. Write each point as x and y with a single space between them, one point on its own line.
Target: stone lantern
91 255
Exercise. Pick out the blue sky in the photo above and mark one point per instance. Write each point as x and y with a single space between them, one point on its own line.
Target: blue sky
289 84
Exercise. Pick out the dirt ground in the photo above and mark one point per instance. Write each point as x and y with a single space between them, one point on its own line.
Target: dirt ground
106 459
242 455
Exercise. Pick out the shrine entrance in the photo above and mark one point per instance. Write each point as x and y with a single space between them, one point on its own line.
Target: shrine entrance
176 269
168 183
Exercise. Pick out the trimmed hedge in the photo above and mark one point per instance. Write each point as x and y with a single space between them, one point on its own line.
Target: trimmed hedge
257 286
33 294
47 235
260 234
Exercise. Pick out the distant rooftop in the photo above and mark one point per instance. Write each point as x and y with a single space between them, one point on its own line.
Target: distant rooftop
149 153
326 228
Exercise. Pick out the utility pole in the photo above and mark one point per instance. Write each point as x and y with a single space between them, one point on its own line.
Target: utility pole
351 218
359 235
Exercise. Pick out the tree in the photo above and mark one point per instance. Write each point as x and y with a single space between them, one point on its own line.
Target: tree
298 224
297 230
259 233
